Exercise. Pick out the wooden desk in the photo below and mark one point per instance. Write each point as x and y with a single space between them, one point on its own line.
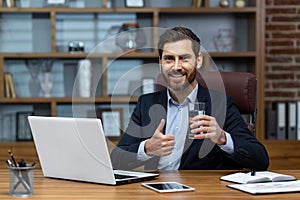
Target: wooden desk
207 184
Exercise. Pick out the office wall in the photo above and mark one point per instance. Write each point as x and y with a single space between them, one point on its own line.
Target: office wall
282 42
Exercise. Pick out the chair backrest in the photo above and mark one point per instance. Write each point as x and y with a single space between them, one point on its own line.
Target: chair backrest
241 86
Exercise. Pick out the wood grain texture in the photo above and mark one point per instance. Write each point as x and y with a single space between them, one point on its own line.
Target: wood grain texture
283 154
206 183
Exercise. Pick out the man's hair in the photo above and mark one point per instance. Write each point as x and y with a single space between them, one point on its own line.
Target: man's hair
176 34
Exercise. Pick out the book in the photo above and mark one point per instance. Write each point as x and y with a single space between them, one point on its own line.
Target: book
10 90
6 83
11 86
292 123
258 177
281 121
268 188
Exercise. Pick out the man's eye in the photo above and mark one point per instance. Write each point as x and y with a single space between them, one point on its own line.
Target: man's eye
185 58
169 58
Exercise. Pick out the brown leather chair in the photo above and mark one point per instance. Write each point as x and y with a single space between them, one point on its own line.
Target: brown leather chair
241 86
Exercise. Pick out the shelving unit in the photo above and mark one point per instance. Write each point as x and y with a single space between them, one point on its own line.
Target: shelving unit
56 24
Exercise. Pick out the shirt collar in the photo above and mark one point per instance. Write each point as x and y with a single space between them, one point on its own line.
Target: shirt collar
190 98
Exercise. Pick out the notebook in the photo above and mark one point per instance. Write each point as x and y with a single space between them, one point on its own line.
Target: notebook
76 149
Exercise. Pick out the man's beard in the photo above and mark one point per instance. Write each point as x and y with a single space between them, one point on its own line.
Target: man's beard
186 84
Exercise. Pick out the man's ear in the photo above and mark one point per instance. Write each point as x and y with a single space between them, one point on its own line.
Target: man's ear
199 60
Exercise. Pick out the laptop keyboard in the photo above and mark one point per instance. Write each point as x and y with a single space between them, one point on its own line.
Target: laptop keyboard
121 176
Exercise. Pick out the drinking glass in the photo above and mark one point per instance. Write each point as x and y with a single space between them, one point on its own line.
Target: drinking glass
195 108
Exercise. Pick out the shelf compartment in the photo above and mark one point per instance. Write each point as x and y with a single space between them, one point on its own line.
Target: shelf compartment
27 30
63 74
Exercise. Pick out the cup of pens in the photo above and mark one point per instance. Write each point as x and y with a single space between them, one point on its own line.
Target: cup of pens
21 180
21 177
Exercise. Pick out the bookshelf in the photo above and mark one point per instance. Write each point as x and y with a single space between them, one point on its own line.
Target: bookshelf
57 26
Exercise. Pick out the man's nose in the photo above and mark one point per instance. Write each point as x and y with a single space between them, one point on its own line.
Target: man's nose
177 64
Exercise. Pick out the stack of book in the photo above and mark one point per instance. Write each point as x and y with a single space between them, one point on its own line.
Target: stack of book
9 87
283 120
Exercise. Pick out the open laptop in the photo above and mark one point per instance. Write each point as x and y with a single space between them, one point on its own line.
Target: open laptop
76 149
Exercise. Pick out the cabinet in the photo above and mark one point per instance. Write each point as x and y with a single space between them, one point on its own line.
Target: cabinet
44 33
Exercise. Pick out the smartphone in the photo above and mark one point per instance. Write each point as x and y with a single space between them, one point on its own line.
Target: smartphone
168 187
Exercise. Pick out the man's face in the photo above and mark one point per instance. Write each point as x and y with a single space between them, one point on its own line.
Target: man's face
178 65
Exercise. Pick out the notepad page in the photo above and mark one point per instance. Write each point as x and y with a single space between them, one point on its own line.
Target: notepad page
274 176
244 178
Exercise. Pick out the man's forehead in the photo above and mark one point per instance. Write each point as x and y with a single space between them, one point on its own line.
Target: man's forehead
179 48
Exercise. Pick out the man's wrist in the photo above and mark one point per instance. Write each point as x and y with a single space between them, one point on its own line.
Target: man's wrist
147 149
141 155
222 139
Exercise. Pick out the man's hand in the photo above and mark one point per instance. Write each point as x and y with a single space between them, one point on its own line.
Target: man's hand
160 144
210 127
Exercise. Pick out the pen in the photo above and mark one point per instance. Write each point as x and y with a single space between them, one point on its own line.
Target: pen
24 173
252 173
9 163
12 157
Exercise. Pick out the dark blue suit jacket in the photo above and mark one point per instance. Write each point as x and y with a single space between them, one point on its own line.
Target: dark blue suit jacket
198 154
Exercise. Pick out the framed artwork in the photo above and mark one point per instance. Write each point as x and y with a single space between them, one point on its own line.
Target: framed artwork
23 128
111 120
148 85
135 3
56 3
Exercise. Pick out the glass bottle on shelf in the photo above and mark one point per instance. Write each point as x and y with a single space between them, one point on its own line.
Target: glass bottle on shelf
108 45
131 37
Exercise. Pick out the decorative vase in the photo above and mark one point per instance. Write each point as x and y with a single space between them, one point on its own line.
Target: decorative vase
131 37
46 84
84 78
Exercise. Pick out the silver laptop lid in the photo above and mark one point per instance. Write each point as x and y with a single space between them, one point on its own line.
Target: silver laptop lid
72 148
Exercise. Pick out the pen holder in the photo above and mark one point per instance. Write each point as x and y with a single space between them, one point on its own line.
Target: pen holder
21 181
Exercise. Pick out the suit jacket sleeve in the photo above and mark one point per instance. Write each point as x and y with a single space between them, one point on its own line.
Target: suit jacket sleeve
142 125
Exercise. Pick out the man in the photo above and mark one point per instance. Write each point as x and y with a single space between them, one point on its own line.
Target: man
156 136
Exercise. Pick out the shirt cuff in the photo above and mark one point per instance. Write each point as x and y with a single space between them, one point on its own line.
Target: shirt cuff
228 147
141 155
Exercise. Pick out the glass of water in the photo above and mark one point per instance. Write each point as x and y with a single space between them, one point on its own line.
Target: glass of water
195 108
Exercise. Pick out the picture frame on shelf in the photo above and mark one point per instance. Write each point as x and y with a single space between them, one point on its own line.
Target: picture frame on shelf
56 3
148 85
112 121
23 128
134 3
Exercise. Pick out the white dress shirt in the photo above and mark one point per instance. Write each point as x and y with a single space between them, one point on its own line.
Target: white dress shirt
177 125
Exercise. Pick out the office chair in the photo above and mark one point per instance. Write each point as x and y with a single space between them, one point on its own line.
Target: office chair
241 86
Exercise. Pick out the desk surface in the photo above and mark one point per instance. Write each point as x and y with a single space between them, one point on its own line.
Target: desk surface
207 184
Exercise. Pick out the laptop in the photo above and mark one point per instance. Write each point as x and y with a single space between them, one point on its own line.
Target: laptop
76 149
